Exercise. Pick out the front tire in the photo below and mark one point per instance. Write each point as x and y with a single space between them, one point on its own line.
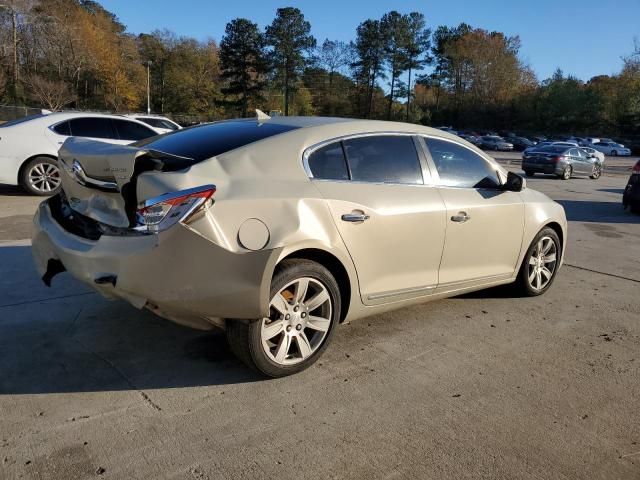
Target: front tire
540 263
41 176
614 153
303 312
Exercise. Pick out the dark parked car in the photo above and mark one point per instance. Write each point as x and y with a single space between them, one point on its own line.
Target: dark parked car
520 143
471 138
631 196
562 161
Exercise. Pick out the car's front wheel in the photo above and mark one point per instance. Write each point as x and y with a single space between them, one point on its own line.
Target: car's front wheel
303 311
41 176
540 264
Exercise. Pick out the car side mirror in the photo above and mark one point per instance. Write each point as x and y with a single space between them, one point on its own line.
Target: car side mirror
514 183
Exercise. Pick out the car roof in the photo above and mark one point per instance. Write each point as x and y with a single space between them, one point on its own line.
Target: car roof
56 117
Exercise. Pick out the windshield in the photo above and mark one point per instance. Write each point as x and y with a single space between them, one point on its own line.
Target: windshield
206 141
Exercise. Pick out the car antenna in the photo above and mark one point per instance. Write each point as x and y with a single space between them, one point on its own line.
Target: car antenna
261 115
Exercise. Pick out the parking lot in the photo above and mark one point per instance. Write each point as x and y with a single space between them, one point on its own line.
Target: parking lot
478 386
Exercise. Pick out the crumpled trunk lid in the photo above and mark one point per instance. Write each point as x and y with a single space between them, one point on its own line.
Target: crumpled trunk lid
99 179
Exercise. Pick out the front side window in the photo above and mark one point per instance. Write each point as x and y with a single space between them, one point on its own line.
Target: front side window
458 166
158 123
132 131
329 163
383 159
92 127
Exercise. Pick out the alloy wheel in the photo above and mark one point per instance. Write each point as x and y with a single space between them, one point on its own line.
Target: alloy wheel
44 177
596 172
299 320
542 263
566 173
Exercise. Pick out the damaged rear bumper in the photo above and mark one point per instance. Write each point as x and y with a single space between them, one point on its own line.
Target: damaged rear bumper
179 274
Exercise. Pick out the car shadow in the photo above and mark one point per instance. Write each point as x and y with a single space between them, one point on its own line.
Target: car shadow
69 339
612 190
597 212
12 191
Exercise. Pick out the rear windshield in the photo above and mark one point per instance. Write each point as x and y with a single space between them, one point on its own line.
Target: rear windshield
21 120
206 141
553 149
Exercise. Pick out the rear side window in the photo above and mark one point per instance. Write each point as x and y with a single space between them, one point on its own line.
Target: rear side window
328 163
458 166
384 158
92 127
62 129
206 141
132 131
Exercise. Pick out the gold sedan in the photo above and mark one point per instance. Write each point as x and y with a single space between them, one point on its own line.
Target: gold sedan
277 230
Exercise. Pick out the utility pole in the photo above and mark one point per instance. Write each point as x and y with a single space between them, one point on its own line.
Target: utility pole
149 62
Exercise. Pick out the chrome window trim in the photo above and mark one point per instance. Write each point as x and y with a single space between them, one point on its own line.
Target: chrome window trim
426 174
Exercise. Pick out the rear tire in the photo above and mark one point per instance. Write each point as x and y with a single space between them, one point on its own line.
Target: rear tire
566 173
297 330
614 153
41 176
540 255
597 171
529 173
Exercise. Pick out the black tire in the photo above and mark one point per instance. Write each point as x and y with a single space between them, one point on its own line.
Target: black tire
614 153
635 209
50 175
529 173
566 173
522 284
244 337
596 173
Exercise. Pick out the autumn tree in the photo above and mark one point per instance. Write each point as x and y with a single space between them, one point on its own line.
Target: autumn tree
243 63
290 40
416 50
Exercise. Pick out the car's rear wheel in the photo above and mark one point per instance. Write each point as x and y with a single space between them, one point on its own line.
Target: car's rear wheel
303 311
597 171
41 176
529 173
614 153
540 264
566 173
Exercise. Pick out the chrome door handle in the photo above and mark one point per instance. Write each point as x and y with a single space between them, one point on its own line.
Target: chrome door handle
461 217
355 217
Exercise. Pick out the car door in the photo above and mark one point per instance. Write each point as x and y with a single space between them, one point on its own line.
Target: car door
392 222
484 224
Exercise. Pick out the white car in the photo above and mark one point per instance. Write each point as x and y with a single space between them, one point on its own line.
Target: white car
612 148
593 153
29 146
157 122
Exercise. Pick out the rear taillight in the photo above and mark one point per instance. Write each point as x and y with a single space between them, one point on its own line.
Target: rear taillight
159 213
558 159
636 168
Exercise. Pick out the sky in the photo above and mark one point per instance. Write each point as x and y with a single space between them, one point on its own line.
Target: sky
583 38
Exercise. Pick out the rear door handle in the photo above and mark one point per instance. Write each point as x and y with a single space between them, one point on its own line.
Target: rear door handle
355 217
461 217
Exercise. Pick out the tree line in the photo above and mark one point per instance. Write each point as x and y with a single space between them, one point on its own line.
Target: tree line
75 54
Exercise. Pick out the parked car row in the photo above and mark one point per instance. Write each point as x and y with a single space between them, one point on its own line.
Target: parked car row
29 146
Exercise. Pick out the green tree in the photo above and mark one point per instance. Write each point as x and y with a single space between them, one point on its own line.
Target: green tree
416 50
369 48
290 38
394 29
243 62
